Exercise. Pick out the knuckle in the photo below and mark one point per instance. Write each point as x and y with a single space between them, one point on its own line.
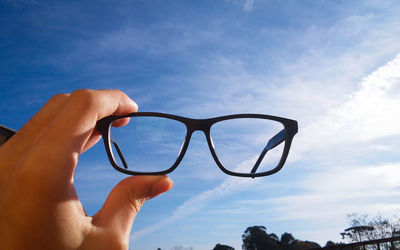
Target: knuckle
59 97
82 93
85 97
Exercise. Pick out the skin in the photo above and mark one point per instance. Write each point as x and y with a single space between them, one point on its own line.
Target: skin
39 207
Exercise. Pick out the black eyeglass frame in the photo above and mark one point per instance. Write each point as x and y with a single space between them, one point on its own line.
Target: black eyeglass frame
192 125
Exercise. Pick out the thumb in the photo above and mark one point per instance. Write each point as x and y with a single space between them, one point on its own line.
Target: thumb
125 201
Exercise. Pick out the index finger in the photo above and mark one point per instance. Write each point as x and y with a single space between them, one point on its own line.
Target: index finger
58 149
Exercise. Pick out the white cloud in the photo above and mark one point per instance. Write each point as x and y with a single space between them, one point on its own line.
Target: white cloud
198 203
332 189
370 113
336 190
325 197
248 5
315 206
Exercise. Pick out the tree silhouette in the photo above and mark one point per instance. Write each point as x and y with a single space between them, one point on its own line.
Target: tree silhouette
300 245
357 233
274 237
287 240
256 238
223 247
181 248
330 243
364 228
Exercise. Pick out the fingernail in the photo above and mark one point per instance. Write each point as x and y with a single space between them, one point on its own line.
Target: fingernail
137 106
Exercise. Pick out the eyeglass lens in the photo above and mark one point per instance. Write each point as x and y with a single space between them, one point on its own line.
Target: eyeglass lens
147 144
238 144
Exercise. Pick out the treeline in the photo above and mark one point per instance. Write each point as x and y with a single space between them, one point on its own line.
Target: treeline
257 238
362 228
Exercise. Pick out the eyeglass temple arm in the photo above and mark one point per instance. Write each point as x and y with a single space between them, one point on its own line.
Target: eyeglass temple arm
272 143
5 134
121 156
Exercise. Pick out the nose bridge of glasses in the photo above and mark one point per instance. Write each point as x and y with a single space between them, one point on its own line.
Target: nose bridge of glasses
202 125
199 124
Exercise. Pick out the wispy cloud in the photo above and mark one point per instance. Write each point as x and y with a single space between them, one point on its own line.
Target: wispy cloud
340 190
247 5
369 113
300 85
198 203
345 141
326 196
337 189
341 113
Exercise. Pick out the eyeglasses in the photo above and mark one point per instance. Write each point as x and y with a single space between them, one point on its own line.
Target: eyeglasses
155 143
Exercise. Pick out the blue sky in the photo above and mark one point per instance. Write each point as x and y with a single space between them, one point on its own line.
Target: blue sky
332 65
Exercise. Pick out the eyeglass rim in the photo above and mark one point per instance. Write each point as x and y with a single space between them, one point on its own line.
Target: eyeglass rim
290 126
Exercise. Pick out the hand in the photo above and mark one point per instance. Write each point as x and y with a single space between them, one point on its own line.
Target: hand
39 208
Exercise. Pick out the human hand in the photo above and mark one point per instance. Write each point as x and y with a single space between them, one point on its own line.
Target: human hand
39 207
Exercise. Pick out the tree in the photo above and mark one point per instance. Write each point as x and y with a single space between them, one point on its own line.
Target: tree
274 237
256 238
181 248
300 245
330 243
223 247
287 238
363 228
357 233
